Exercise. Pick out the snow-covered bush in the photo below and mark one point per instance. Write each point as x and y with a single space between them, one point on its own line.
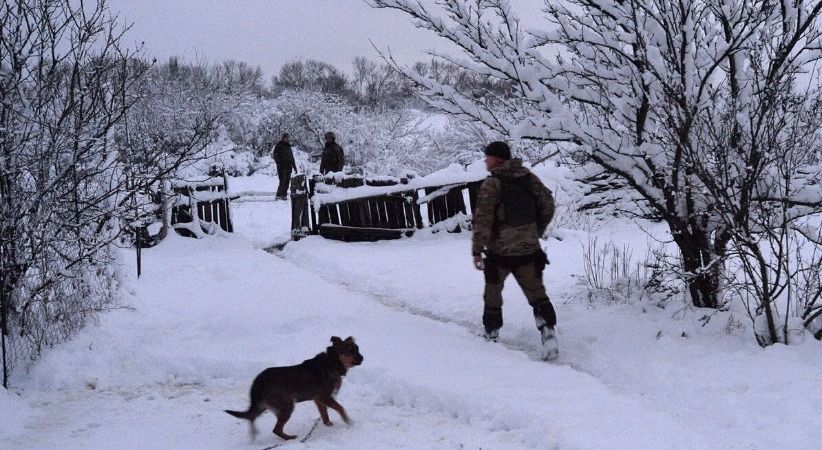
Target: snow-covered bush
67 178
49 309
612 273
376 141
808 292
786 269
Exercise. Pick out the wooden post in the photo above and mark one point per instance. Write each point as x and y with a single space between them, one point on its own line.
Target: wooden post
417 210
473 194
229 226
300 225
139 244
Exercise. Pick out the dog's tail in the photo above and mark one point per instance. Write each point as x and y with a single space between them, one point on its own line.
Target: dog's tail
247 415
250 416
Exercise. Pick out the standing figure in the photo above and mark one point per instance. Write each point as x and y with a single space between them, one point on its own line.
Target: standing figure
284 158
333 158
513 210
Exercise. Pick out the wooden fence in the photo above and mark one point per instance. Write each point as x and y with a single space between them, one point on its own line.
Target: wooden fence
209 198
380 216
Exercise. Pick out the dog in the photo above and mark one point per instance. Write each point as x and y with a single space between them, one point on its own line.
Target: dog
279 388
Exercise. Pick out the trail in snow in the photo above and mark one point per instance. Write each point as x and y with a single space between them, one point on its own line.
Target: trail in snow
710 379
473 327
209 315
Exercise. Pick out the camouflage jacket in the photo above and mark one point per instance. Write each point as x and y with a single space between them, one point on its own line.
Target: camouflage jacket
494 232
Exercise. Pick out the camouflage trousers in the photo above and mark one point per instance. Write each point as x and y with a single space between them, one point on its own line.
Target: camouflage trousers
527 271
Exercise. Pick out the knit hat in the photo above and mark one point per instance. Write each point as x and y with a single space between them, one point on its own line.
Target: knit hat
499 149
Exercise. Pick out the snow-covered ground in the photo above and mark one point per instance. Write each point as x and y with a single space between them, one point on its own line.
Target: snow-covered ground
263 223
208 315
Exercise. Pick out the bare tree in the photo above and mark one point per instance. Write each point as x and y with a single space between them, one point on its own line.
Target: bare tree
312 75
363 79
239 78
71 165
65 85
631 83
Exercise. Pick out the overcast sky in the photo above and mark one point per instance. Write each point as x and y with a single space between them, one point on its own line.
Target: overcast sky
270 32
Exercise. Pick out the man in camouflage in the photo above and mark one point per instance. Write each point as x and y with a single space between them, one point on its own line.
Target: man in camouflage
512 212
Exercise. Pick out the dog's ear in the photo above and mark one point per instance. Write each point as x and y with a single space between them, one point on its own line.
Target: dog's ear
350 339
336 340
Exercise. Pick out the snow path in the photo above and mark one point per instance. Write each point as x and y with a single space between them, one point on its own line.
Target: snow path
211 314
724 387
531 349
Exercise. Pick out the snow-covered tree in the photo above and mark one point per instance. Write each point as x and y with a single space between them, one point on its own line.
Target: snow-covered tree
85 133
66 84
642 88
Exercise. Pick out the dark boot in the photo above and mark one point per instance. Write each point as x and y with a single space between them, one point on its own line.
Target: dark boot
491 335
492 320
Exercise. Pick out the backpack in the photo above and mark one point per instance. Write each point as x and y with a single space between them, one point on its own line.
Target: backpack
519 200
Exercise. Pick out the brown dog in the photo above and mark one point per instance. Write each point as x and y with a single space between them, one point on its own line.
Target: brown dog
318 379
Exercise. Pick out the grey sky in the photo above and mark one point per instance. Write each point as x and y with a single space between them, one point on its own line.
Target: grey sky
270 32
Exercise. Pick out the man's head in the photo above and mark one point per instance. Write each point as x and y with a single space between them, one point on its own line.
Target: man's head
284 138
330 137
496 153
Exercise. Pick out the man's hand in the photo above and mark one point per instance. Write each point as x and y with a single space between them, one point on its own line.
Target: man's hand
478 263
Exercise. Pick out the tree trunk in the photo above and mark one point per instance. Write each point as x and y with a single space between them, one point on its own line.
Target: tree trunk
703 265
11 273
166 197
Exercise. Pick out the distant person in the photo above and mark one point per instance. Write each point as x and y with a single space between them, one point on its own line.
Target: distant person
284 158
333 157
513 210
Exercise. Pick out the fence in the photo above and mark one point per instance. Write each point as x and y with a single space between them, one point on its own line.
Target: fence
350 211
209 198
176 201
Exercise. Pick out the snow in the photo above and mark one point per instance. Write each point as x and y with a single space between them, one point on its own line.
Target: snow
451 175
724 386
207 315
266 222
430 121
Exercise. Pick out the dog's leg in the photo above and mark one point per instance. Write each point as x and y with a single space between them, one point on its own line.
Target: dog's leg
331 403
283 413
254 412
323 413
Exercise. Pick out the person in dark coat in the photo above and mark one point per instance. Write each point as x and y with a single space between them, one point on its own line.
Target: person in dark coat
333 158
284 158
